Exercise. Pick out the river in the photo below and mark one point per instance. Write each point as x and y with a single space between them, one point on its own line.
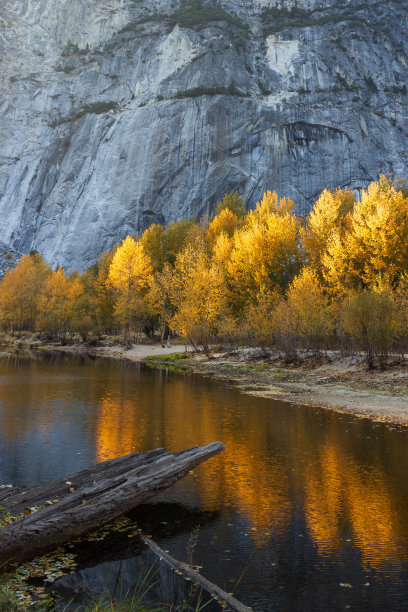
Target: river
306 508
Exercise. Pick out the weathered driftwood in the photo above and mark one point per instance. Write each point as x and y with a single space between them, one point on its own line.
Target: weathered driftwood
92 498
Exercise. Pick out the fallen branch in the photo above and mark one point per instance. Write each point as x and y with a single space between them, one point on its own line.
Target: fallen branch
226 601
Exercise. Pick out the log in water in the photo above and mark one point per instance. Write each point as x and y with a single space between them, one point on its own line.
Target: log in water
89 499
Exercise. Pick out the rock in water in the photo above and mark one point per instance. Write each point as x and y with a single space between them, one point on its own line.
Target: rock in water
116 114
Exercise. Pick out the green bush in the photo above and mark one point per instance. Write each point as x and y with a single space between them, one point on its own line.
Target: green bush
370 83
264 90
67 68
97 108
194 13
196 92
276 19
133 25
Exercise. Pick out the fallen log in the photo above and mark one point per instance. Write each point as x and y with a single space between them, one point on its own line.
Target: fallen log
90 499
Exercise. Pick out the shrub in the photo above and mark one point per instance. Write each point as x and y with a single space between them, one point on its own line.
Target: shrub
97 108
196 92
370 83
370 318
264 90
194 13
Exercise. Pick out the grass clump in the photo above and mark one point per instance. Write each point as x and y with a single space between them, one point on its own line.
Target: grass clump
8 601
165 358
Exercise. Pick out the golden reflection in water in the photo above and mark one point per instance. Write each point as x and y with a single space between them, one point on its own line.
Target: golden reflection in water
339 492
121 428
270 470
374 519
323 480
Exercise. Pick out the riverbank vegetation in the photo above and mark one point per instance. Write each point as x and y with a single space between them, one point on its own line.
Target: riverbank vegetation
337 279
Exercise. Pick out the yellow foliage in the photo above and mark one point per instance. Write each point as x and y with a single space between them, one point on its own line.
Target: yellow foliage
222 252
258 318
375 243
163 245
270 205
226 222
175 238
159 295
104 294
152 241
305 315
20 291
57 302
265 251
199 295
129 274
329 213
308 302
241 276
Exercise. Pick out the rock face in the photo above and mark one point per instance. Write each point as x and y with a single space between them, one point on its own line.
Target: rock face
8 259
119 113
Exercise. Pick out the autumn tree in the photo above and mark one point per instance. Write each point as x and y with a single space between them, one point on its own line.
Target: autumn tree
199 296
310 309
129 275
232 202
370 317
20 291
257 320
226 222
104 294
84 311
153 243
221 252
285 329
159 300
265 251
58 302
329 214
162 245
375 244
303 316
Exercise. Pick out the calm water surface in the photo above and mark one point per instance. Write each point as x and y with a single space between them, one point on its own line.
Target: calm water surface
302 502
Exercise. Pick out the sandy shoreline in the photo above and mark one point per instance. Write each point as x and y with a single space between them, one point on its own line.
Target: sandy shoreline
344 385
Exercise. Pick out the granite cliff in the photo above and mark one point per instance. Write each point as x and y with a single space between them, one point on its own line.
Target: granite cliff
118 113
